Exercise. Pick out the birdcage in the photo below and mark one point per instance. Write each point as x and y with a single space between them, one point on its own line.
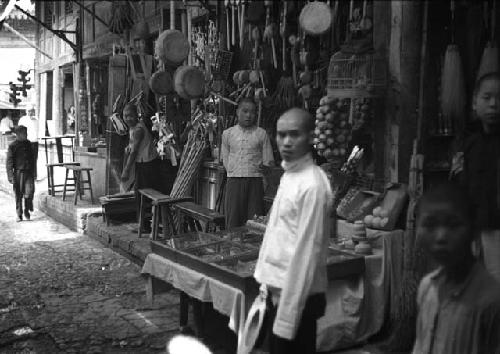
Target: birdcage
356 75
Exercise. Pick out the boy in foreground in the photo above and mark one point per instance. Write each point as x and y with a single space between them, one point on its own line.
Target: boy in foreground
21 172
459 303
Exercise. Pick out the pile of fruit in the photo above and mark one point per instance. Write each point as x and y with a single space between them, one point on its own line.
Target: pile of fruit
378 219
333 131
362 112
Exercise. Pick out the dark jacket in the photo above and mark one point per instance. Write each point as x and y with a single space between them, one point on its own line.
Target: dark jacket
481 177
20 156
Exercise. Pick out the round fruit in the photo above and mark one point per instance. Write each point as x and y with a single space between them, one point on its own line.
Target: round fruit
330 125
329 132
321 146
368 220
324 109
320 116
329 117
376 211
322 125
340 138
384 222
316 141
330 141
328 153
342 151
376 222
335 152
322 137
384 213
317 131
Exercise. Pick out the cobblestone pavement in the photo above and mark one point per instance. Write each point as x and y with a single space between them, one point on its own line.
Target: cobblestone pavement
62 292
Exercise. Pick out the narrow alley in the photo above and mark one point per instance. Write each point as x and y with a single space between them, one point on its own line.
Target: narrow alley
62 292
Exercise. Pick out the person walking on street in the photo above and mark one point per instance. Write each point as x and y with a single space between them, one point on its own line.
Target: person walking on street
30 121
21 172
293 255
246 155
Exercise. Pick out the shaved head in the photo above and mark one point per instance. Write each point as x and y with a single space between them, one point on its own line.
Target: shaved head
294 134
304 117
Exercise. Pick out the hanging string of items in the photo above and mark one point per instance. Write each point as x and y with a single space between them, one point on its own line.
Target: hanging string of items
192 156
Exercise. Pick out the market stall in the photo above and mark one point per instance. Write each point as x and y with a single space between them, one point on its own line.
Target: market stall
316 55
342 61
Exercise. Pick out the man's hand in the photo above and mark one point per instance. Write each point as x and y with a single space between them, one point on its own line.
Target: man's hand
11 180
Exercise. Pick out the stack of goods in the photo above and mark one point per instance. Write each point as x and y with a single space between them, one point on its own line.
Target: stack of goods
359 236
333 131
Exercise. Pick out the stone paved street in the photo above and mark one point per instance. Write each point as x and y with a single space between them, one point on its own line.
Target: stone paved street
62 292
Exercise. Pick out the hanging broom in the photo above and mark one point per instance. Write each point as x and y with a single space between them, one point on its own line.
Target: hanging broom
453 96
490 58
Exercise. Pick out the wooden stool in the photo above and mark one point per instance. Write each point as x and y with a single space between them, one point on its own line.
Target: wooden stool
197 215
78 183
161 204
50 176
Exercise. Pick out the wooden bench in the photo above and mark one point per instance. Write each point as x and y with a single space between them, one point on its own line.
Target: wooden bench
198 215
161 204
77 182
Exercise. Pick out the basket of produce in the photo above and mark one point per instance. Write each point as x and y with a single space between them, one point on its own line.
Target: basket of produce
356 75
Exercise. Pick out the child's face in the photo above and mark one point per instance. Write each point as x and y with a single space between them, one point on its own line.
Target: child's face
445 232
486 103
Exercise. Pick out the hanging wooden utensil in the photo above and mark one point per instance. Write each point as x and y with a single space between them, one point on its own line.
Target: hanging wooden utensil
242 24
256 38
315 18
283 33
233 23
294 42
228 26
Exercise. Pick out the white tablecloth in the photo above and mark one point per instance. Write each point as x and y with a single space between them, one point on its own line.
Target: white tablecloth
356 307
226 299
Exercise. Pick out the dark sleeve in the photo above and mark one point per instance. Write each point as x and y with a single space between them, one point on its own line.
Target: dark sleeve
10 163
32 157
490 329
